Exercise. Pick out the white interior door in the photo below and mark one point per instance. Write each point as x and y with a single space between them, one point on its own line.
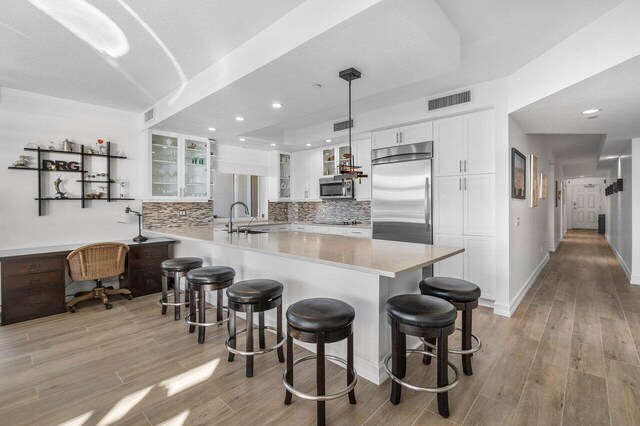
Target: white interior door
585 206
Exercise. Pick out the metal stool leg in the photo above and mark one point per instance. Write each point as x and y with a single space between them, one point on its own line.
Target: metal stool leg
288 395
165 286
426 359
176 295
279 332
466 340
249 321
232 332
201 315
193 296
350 376
261 337
443 375
320 379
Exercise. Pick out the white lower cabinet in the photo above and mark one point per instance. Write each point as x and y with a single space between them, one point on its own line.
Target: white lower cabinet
334 231
358 232
477 264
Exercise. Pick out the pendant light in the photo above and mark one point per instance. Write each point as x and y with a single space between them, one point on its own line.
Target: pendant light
350 171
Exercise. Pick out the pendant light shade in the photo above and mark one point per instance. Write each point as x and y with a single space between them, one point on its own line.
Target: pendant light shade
350 171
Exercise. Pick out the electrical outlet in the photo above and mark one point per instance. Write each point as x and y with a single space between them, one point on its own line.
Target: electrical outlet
517 221
182 212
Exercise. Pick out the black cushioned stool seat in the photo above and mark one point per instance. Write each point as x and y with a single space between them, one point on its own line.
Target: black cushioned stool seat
199 281
320 321
451 289
464 296
251 296
176 268
320 314
423 317
255 291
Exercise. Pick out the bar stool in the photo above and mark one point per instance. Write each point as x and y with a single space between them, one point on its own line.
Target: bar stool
463 295
199 282
320 321
176 268
425 317
253 296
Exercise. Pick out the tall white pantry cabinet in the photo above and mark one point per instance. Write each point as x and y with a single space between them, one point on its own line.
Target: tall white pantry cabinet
464 197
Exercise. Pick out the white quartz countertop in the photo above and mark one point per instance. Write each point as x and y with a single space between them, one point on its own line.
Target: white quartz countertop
385 258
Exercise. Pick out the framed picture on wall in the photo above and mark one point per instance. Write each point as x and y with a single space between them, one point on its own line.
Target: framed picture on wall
543 185
534 180
518 175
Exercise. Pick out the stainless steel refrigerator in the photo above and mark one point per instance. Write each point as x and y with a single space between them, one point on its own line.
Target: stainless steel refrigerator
401 197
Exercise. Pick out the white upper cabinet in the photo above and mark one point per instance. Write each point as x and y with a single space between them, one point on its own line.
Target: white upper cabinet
448 151
385 138
178 167
299 175
420 132
448 205
465 144
315 172
279 186
414 133
479 136
479 204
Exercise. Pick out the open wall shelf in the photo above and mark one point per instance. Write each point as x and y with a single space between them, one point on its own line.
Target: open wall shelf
82 198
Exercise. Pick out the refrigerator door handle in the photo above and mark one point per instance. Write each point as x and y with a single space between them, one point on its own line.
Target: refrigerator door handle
427 204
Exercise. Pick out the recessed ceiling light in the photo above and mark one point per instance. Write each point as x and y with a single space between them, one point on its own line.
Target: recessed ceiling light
276 105
242 139
238 118
212 129
590 111
308 144
327 140
272 144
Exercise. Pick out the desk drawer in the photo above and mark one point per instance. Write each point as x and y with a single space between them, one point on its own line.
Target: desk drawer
36 265
33 280
148 252
29 302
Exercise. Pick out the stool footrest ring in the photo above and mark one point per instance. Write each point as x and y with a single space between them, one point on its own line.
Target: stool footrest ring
163 303
261 351
419 388
458 351
208 324
306 396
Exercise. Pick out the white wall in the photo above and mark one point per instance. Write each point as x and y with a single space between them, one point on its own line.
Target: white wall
619 227
529 242
31 118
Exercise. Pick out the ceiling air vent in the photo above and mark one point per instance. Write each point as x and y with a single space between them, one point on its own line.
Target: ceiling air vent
148 116
342 125
449 100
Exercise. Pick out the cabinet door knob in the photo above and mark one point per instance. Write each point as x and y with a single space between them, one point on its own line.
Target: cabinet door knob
465 165
460 184
460 167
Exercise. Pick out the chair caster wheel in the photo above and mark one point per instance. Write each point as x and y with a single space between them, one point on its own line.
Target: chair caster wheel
107 306
72 309
130 297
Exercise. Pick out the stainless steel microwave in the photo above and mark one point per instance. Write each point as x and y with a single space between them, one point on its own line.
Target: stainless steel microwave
332 188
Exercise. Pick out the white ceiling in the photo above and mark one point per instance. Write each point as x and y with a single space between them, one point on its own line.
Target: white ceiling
616 92
497 36
40 55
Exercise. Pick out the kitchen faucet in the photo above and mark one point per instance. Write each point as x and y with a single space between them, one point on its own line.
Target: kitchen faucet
230 224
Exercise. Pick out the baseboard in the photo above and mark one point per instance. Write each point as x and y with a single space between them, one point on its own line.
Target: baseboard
552 248
506 311
625 268
635 280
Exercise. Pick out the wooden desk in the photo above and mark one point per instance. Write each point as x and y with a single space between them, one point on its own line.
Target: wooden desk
33 280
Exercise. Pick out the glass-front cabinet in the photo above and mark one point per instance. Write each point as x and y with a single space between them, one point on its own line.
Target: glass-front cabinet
179 167
285 176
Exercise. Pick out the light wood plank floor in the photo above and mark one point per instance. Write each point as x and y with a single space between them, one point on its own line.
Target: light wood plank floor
569 355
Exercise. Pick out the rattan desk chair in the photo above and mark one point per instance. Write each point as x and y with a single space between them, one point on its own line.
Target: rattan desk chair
96 262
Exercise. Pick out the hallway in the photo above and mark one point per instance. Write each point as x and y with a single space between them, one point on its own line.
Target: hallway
573 356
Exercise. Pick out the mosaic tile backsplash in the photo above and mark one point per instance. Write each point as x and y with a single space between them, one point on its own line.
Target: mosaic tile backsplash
166 215
325 211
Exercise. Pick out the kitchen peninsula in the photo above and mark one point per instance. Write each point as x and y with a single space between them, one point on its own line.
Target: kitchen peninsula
360 271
